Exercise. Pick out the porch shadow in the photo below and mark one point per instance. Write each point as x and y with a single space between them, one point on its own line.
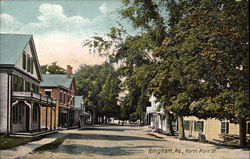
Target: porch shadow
108 137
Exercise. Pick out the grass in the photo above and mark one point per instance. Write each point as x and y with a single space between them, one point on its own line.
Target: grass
8 142
51 146
154 136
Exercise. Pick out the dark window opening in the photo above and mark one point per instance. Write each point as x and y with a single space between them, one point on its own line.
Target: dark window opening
198 126
48 93
24 61
186 125
224 127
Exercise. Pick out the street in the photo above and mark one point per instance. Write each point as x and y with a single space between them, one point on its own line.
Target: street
132 142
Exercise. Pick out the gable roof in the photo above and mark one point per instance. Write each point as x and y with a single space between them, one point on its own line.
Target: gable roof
11 46
78 101
56 80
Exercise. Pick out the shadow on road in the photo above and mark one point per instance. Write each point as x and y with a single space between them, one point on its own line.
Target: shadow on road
107 151
107 137
106 129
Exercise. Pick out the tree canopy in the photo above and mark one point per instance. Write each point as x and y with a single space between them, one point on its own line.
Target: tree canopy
53 68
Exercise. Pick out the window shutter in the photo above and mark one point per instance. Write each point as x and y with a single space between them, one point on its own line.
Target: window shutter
28 63
24 61
31 65
227 128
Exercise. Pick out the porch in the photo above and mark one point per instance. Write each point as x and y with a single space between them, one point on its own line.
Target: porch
25 114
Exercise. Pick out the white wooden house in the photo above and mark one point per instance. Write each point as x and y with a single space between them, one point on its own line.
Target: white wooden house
20 77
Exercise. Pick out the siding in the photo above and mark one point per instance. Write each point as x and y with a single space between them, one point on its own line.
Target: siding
3 102
212 128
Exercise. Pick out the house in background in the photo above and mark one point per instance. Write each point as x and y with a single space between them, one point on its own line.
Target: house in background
81 116
156 118
63 88
20 78
214 130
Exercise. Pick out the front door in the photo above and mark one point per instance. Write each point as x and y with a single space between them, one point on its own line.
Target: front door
27 119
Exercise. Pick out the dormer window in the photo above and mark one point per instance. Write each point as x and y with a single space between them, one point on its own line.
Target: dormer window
27 63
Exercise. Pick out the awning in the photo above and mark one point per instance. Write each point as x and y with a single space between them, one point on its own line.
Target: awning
85 113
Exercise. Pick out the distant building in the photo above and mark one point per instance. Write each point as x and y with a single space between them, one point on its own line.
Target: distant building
20 78
82 118
214 130
63 88
156 117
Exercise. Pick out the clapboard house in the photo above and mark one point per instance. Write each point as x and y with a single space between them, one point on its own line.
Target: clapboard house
20 78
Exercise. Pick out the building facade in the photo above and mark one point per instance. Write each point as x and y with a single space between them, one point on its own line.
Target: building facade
63 88
214 130
156 117
82 118
20 78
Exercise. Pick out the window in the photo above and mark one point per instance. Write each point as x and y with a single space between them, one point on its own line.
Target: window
15 82
198 126
64 98
35 88
224 127
20 84
28 63
248 128
186 125
24 61
27 86
60 97
31 65
48 93
18 114
35 114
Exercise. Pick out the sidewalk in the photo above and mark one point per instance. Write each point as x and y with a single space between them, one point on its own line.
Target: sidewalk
23 150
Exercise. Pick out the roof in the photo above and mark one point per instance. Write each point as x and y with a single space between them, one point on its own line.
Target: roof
12 46
78 101
56 80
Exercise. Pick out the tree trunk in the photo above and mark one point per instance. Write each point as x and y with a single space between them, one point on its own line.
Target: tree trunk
169 126
242 124
94 121
181 128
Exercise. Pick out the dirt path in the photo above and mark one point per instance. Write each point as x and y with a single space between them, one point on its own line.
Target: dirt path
132 142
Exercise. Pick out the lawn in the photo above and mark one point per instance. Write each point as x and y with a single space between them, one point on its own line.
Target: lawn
7 142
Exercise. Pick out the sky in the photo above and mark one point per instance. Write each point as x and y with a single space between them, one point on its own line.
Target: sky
60 27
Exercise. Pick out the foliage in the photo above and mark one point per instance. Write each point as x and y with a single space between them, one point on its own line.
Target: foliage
53 68
100 87
205 57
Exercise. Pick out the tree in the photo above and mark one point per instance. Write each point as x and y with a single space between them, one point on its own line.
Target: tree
53 68
206 53
100 87
133 52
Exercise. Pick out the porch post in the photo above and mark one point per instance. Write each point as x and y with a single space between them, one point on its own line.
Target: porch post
39 118
30 105
54 118
51 117
11 116
46 124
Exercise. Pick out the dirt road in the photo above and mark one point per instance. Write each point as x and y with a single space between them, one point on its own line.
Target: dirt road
132 142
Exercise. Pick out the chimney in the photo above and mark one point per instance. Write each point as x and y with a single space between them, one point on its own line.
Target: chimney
69 71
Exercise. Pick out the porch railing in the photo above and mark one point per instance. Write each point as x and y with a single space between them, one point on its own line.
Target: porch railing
21 94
